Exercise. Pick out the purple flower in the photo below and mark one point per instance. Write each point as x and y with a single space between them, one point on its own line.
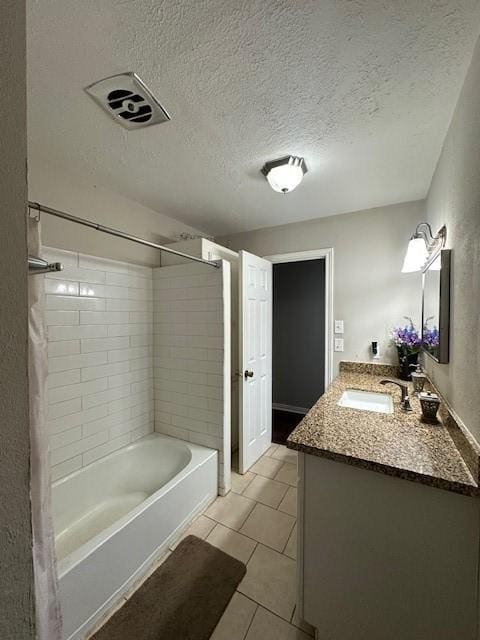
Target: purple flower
431 337
406 337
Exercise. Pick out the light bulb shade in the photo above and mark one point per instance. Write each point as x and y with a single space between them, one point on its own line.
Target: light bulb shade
285 178
416 256
285 174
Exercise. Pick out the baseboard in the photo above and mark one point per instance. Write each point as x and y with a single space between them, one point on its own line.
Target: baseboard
290 408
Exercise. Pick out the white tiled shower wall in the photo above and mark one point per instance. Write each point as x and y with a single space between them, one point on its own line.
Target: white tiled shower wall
192 357
99 316
108 322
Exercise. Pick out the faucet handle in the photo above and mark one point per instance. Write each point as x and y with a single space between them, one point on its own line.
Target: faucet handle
405 402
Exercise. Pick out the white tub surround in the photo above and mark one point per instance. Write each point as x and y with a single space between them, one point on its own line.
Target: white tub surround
115 516
208 250
99 316
192 357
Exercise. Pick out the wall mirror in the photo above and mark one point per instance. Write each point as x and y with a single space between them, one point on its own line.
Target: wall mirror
436 308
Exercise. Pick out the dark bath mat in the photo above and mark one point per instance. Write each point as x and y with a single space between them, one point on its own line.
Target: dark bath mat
182 600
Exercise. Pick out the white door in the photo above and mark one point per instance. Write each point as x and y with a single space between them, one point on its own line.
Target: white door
255 333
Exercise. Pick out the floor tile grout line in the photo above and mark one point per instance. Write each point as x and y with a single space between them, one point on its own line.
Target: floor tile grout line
243 522
253 550
278 508
256 542
271 549
287 513
274 478
259 604
272 508
288 540
253 539
264 543
296 625
289 536
265 478
280 617
269 505
283 460
248 515
254 614
240 493
259 475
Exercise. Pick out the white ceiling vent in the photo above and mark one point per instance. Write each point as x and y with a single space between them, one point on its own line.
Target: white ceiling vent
128 100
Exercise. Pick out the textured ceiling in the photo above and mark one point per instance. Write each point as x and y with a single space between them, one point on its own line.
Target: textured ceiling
363 89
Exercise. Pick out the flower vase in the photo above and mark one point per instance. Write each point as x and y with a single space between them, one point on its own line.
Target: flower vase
406 359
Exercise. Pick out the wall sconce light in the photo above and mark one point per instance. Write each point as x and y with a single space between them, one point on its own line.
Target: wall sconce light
285 174
423 248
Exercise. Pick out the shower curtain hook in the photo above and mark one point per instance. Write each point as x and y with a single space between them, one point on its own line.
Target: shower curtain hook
35 206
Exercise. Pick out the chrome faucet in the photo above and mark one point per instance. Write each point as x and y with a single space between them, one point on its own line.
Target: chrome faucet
405 402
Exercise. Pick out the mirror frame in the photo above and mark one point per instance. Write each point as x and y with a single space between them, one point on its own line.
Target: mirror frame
444 308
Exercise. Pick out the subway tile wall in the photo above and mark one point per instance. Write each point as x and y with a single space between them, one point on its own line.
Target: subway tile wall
99 317
191 354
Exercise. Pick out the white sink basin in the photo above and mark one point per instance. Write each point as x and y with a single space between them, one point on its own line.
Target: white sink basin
367 401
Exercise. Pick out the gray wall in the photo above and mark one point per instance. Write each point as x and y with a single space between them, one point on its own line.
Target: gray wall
454 200
48 185
370 293
16 578
298 332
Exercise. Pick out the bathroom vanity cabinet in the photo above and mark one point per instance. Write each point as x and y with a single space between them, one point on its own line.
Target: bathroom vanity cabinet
383 558
388 521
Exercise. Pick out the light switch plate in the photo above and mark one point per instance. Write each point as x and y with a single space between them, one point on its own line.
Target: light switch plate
338 345
338 326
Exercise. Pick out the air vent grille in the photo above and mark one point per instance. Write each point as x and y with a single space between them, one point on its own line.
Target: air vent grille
128 100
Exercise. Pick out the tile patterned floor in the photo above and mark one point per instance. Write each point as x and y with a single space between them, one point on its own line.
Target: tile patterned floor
256 523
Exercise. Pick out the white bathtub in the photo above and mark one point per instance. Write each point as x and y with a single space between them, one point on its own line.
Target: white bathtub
115 516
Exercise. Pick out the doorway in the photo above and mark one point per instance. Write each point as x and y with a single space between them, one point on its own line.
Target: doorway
301 336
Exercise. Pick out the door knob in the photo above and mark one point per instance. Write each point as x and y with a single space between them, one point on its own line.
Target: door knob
248 374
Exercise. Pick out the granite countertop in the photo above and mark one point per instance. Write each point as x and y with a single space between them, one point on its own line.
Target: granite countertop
397 444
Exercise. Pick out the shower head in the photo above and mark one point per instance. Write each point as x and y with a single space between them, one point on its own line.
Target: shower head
128 100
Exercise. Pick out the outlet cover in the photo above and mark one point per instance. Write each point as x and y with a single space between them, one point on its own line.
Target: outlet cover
338 326
338 345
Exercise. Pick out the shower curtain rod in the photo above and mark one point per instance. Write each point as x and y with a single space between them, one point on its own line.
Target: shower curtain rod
115 232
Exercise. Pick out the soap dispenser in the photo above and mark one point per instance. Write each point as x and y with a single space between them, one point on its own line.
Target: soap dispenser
418 378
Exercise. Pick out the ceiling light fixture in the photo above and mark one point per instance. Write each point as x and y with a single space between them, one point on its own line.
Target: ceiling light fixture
423 248
285 174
